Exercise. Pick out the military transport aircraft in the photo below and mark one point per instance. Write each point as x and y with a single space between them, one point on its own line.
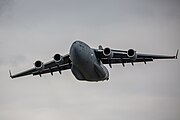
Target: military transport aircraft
86 63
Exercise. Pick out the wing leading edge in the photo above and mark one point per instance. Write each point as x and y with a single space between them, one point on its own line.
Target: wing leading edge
106 56
49 67
130 56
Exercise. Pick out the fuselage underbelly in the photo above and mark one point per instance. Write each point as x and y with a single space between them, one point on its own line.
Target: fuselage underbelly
85 65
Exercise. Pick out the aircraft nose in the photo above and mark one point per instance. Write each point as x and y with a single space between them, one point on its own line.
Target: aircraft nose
74 51
75 45
74 48
76 42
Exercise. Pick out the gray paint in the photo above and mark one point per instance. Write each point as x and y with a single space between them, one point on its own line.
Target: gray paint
134 93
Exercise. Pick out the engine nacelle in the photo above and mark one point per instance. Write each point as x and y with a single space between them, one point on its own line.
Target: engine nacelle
107 52
39 65
58 59
132 54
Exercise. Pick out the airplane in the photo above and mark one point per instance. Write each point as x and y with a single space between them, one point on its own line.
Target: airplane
87 64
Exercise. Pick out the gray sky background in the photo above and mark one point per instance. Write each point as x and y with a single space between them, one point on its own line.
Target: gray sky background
37 29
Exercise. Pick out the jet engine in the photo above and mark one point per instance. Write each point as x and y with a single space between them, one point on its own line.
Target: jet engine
58 59
39 65
107 52
132 54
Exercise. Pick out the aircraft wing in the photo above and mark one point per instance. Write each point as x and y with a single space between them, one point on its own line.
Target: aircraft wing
49 67
108 56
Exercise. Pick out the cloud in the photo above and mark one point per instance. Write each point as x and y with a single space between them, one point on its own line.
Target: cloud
38 29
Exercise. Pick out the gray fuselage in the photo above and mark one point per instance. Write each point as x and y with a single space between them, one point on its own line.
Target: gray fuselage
85 65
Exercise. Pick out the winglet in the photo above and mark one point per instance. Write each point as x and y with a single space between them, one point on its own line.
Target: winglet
177 53
10 73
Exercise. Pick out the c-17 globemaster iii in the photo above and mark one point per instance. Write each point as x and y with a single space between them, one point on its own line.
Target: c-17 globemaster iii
87 64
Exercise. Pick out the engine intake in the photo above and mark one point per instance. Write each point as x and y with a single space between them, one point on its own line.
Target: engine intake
58 59
39 65
132 54
107 52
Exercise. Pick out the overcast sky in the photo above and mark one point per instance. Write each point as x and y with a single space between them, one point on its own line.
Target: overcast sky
37 29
